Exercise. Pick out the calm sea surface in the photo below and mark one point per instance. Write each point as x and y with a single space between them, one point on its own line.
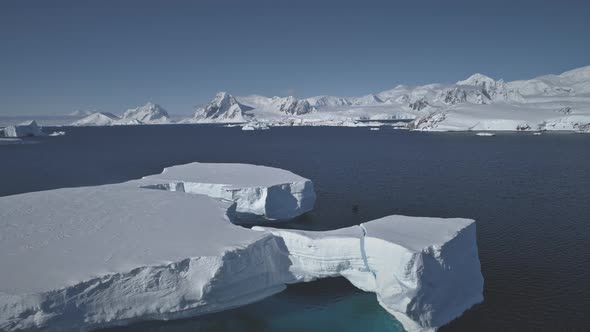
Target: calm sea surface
529 194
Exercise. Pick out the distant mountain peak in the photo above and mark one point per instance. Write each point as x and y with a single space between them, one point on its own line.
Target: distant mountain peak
224 107
148 113
477 79
292 106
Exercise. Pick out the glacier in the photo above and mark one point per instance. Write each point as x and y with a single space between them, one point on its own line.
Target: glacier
120 253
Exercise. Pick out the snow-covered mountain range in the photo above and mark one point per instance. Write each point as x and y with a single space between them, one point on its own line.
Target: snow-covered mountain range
149 113
223 108
550 102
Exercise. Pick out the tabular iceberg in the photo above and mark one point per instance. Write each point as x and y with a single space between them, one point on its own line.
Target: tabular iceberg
259 192
29 128
425 271
115 254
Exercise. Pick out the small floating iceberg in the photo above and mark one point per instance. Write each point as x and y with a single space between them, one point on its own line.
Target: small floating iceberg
255 126
485 134
57 133
374 129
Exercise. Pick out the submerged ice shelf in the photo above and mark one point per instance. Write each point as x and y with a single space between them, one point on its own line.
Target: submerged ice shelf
115 254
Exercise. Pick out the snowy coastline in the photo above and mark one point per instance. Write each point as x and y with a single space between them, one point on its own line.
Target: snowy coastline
478 103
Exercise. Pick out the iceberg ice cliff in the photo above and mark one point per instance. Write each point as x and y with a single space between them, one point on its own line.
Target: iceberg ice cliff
28 128
425 271
115 254
259 192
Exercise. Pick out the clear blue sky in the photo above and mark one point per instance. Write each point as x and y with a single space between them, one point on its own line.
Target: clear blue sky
58 56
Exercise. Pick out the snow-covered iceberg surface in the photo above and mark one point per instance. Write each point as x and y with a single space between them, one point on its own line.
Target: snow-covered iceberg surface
259 192
108 255
28 128
115 254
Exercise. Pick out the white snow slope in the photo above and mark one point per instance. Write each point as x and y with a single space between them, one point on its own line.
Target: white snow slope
223 108
147 114
114 254
97 119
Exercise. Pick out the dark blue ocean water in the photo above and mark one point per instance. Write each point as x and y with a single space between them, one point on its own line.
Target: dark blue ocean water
529 194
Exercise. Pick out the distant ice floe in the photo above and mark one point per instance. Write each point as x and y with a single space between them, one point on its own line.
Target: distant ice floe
120 253
255 126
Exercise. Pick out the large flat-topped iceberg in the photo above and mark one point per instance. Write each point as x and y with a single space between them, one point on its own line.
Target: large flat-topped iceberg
65 234
89 257
115 254
258 191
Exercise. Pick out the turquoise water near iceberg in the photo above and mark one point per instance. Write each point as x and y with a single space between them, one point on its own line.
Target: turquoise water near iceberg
324 305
